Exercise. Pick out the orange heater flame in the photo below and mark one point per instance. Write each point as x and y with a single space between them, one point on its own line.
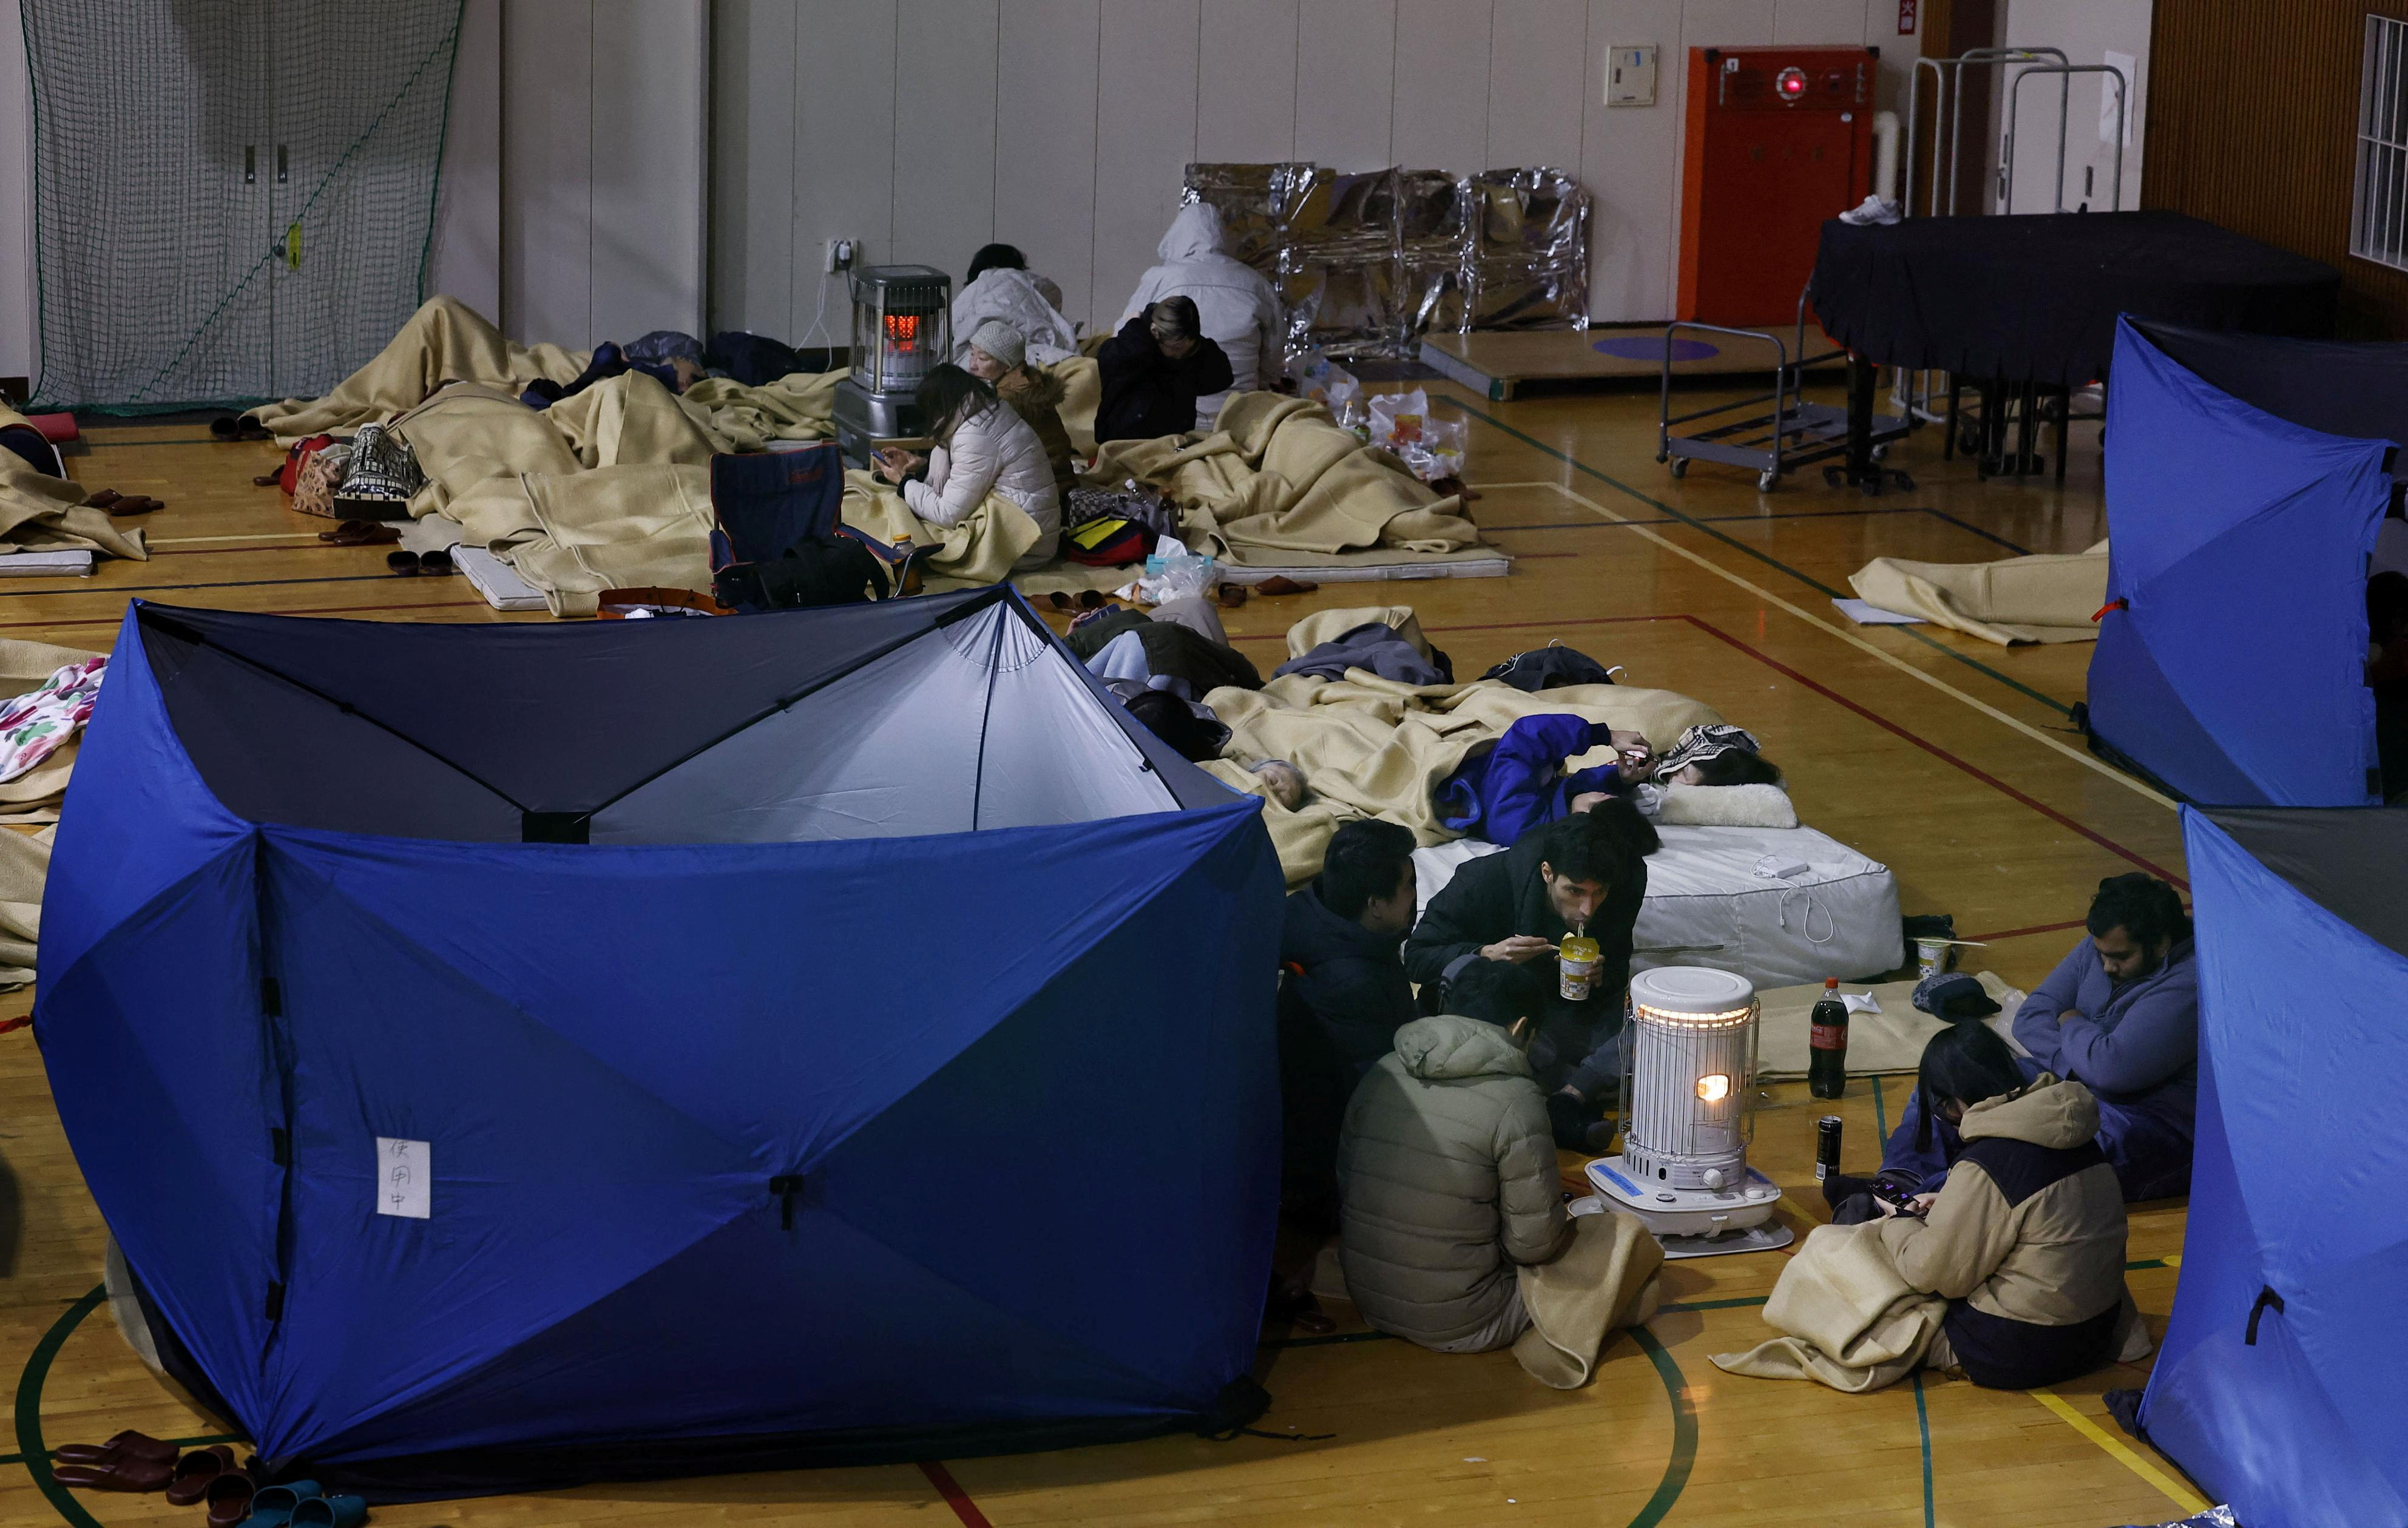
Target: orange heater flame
902 329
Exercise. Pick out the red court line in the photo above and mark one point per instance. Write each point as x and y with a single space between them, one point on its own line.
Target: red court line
1938 752
956 1497
2019 933
320 610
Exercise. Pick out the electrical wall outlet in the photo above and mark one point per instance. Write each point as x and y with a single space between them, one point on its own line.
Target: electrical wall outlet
839 254
1631 74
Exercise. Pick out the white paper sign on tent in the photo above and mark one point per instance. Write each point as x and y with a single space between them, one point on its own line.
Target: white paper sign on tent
405 1177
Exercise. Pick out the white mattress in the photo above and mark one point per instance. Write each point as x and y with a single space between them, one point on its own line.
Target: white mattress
1708 906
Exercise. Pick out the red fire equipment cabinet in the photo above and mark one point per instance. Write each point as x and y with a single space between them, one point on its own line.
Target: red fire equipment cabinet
1778 139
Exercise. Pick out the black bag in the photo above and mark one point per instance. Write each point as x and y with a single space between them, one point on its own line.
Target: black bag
1549 668
816 570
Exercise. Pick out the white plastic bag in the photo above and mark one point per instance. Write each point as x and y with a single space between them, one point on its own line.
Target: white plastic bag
1439 453
1175 573
1397 419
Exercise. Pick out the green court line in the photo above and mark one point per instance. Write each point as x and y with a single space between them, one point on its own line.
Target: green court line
2020 688
1923 1425
1685 1432
1881 1115
1711 1305
200 1442
30 1449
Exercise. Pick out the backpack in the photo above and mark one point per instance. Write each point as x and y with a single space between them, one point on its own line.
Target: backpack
814 571
1550 668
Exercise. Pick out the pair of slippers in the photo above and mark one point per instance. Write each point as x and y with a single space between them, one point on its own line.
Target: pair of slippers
123 504
297 1504
239 427
409 565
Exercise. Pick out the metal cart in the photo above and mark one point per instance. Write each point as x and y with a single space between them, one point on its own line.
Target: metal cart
1794 434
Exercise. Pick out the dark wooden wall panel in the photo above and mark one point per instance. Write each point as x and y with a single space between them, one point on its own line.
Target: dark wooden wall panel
2253 123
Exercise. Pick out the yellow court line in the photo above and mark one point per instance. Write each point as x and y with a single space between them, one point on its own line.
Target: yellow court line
2174 1491
1851 639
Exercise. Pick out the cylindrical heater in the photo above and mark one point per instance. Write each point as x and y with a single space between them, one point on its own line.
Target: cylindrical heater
902 326
1688 1090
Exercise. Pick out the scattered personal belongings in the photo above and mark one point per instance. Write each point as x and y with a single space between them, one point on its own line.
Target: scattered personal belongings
410 563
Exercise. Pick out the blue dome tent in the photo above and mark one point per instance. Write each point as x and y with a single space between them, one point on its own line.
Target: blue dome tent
2277 1387
2231 657
514 1055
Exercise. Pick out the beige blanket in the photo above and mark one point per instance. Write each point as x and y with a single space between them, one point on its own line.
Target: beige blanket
1370 747
42 513
445 341
979 549
1851 1322
1603 1282
1890 1041
2048 598
1278 476
24 867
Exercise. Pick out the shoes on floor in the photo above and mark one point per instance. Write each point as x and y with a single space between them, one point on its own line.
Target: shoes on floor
193 1473
126 1445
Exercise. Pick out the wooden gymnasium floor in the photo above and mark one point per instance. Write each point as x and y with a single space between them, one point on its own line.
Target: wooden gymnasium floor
1949 760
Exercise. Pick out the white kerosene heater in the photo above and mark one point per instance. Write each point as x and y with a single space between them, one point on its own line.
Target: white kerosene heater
1688 1091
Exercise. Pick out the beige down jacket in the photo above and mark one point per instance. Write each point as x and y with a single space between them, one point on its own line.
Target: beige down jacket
2026 1239
1447 1170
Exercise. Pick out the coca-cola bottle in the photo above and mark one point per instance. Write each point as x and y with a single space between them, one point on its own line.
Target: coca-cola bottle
1826 1063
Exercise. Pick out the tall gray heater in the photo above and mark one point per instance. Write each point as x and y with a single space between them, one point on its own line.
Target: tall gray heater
902 326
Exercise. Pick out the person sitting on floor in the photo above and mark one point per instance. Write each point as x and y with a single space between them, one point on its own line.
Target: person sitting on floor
1153 371
1447 1173
2120 1015
1000 286
1238 309
982 447
1589 871
1342 997
996 356
1520 782
2026 1240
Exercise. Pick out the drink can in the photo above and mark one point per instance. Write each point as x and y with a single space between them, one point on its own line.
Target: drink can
1826 1147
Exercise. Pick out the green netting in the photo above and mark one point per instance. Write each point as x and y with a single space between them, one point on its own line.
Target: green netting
233 199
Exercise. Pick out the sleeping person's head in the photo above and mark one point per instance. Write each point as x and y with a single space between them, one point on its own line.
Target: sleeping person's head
1716 754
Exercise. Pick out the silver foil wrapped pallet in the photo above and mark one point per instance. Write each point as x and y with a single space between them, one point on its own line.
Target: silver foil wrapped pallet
1367 263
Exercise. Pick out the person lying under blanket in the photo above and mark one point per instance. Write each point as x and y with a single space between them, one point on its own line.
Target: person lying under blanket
2119 1014
1587 872
1522 782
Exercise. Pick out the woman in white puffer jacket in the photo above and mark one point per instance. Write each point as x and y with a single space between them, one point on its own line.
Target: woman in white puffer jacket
983 447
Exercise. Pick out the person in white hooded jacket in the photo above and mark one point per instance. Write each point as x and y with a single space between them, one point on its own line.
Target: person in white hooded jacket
1240 311
982 447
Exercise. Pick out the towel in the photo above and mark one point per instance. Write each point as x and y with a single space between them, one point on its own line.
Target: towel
1604 1281
1852 1322
980 548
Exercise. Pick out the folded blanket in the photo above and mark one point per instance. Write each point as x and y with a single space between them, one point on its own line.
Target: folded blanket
2048 598
1278 475
1301 837
1604 1280
979 550
574 534
1852 1322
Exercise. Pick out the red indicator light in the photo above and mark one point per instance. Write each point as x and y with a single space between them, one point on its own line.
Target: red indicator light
1791 82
